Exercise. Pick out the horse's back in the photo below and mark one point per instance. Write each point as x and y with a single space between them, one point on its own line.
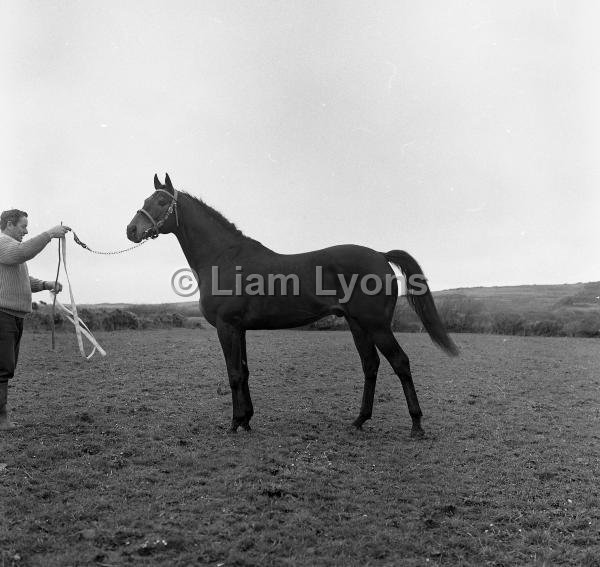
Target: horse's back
348 258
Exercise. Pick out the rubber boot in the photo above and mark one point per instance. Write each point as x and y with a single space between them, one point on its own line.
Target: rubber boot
5 423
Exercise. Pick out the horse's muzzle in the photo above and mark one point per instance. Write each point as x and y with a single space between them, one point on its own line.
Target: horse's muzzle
132 233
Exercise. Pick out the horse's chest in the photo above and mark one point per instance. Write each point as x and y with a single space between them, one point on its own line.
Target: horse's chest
209 311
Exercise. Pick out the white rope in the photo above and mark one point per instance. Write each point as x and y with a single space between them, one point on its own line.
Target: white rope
81 329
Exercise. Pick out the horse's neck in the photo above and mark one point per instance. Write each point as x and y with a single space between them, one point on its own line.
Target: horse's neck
202 237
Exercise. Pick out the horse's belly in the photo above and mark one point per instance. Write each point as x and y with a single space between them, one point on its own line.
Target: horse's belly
283 312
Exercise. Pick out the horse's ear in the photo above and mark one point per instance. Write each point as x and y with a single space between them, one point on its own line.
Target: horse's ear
168 183
157 184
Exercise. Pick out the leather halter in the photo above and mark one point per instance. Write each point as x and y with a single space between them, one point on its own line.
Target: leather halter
153 231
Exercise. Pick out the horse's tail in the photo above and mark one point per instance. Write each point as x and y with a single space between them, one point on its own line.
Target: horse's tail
421 300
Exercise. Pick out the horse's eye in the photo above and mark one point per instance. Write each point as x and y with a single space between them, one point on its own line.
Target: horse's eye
162 202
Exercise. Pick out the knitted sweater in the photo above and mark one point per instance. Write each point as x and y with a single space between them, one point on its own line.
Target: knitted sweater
16 284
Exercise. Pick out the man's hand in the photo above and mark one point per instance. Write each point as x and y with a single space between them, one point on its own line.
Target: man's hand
58 231
50 287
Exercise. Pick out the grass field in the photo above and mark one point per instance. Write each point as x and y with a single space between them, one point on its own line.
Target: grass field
126 460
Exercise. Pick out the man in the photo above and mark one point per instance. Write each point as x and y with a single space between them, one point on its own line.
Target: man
15 292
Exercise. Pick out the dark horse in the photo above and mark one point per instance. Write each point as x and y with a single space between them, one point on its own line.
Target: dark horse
233 272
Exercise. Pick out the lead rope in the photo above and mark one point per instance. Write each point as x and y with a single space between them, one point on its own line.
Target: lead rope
54 299
81 329
84 245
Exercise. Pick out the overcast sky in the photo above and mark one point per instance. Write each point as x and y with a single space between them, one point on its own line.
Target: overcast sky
466 133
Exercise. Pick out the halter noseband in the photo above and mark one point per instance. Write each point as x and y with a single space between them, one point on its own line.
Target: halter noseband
153 231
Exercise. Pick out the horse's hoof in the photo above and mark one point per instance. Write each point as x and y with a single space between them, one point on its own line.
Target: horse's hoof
232 430
358 422
247 427
417 433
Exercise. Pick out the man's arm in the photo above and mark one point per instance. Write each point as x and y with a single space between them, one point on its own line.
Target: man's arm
41 285
14 252
36 285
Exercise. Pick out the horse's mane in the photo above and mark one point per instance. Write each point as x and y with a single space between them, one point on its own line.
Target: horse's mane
214 214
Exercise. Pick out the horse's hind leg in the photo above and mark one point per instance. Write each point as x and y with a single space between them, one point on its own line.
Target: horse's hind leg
370 363
389 347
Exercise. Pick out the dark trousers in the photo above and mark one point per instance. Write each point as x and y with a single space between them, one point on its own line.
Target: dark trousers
11 331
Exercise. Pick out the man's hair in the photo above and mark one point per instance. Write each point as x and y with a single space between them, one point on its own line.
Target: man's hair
14 215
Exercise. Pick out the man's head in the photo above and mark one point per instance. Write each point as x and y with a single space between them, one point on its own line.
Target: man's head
14 223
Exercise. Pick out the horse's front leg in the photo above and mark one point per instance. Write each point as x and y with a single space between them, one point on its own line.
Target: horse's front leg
245 387
232 342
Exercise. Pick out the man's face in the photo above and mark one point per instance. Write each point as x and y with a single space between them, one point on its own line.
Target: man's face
17 231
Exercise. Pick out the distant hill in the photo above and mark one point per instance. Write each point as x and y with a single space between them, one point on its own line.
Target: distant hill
532 297
571 310
513 298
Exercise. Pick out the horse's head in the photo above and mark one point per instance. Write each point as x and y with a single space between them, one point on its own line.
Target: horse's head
158 215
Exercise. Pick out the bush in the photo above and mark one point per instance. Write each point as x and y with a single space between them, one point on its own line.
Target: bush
329 323
90 318
119 319
110 319
586 326
193 323
508 324
38 321
545 328
462 314
405 319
